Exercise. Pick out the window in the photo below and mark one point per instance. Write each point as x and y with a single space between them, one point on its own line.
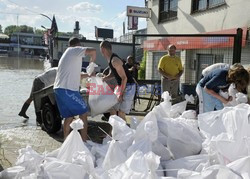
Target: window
167 9
200 5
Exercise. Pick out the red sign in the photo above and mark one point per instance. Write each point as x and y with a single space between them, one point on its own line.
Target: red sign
196 42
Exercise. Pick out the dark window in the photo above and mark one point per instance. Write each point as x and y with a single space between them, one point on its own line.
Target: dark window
200 5
167 9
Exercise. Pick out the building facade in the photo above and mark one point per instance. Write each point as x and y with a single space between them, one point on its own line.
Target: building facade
196 17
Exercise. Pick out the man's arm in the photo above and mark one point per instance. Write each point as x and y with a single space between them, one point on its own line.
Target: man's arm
179 74
92 53
118 65
216 95
165 75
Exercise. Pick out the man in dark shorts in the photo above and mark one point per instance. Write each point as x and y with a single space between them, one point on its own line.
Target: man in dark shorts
41 81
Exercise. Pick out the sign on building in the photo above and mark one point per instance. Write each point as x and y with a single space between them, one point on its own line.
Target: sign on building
132 23
104 33
138 11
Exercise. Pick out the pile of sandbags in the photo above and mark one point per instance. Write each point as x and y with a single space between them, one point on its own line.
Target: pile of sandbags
168 142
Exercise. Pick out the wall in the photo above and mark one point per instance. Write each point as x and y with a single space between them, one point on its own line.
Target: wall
121 49
234 14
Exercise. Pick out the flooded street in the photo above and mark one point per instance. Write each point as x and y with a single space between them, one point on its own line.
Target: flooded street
16 78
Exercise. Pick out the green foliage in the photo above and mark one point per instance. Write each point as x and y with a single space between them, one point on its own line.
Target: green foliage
39 31
13 28
1 30
142 70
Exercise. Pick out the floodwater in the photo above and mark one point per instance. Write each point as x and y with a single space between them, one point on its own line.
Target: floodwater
16 78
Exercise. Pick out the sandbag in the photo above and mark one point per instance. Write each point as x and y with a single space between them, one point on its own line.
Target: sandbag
101 97
73 143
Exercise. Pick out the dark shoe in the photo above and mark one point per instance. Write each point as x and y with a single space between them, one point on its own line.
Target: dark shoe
22 113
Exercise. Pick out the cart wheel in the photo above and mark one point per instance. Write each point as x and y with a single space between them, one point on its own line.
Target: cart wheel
50 118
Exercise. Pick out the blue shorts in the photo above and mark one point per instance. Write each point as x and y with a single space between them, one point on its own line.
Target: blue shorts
70 103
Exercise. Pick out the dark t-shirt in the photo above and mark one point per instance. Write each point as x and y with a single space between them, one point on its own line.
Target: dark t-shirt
134 73
215 80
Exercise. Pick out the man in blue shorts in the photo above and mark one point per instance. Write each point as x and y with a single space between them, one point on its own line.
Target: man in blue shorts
67 83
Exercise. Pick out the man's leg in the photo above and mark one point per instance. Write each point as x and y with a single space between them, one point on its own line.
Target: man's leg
66 127
122 115
174 88
84 131
165 85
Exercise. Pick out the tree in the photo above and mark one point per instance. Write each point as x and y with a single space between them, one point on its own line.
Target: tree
26 29
142 70
13 28
10 29
39 31
1 30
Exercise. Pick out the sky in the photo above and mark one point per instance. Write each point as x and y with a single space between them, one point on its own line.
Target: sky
90 13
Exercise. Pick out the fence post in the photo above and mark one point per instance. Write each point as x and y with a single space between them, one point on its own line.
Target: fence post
237 46
134 47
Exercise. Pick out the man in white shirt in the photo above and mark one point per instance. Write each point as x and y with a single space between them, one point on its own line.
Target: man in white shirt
69 101
41 81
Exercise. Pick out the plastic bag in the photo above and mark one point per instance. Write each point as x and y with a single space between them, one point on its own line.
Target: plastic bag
123 134
182 139
189 163
73 143
138 166
63 170
91 67
114 156
101 97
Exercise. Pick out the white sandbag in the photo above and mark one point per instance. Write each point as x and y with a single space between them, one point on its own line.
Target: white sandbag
177 109
63 170
241 166
147 128
194 163
11 172
189 114
123 134
161 150
183 140
212 172
114 156
146 139
73 143
143 145
138 166
83 158
210 123
230 140
101 97
134 122
91 68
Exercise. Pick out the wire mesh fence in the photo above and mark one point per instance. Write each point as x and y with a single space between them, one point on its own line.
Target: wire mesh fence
197 51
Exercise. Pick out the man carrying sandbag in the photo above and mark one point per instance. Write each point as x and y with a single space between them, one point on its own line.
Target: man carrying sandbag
125 89
67 83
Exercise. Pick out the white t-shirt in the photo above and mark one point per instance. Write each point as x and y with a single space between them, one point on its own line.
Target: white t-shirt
48 77
69 69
